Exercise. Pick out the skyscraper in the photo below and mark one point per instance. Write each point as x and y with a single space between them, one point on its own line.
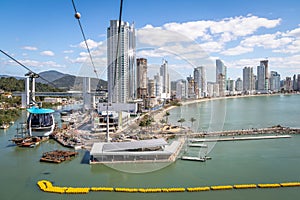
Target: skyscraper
221 76
164 72
141 77
158 85
295 83
248 83
191 87
265 63
261 78
121 73
239 85
200 82
274 81
181 89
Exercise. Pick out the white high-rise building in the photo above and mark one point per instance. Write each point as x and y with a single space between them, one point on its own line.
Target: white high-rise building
200 82
239 85
248 79
221 76
261 77
158 85
231 85
164 72
274 81
121 73
181 89
265 63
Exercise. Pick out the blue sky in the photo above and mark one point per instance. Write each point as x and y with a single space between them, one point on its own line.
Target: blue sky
44 35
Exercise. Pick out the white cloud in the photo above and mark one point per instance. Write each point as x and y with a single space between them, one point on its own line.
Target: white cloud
294 47
212 35
91 43
294 32
30 48
270 41
237 51
192 30
156 36
47 53
68 51
212 46
242 26
35 63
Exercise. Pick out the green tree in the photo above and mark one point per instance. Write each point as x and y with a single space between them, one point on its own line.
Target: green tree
192 121
167 114
162 121
181 120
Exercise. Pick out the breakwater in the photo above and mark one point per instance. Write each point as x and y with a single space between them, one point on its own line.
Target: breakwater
47 186
277 130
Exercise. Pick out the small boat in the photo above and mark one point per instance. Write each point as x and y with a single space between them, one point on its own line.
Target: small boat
40 121
4 126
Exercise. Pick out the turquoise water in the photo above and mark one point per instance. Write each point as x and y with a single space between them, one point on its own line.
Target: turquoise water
263 161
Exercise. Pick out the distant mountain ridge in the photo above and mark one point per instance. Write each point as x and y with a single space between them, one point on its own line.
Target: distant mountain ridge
50 75
65 81
70 82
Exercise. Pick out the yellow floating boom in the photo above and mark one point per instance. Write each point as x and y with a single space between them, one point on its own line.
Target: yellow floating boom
290 184
269 185
47 186
198 189
222 187
244 186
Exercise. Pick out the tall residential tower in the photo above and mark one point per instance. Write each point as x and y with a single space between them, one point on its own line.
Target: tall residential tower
121 73
221 76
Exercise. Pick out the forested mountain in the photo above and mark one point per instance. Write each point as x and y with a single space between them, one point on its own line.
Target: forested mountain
59 82
11 84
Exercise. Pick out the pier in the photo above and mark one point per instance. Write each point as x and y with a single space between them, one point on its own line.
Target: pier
240 138
277 130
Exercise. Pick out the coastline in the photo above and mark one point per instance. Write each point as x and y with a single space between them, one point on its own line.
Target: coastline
187 102
160 114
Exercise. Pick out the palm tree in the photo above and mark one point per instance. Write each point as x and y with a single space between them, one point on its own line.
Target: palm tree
162 121
181 120
192 121
166 115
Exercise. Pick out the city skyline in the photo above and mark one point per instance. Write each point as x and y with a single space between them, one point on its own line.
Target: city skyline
239 35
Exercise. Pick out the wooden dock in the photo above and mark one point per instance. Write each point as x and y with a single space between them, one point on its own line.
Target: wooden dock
57 156
220 139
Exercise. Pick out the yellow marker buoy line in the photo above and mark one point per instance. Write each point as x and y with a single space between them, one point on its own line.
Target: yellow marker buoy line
47 186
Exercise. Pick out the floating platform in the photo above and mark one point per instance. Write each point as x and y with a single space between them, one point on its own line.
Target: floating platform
240 138
198 145
193 158
57 156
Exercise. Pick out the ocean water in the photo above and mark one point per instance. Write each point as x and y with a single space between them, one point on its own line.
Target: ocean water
261 161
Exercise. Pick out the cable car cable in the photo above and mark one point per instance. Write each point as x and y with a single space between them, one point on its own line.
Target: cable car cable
77 16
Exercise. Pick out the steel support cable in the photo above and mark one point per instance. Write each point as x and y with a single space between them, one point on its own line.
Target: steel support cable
77 16
118 42
27 68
